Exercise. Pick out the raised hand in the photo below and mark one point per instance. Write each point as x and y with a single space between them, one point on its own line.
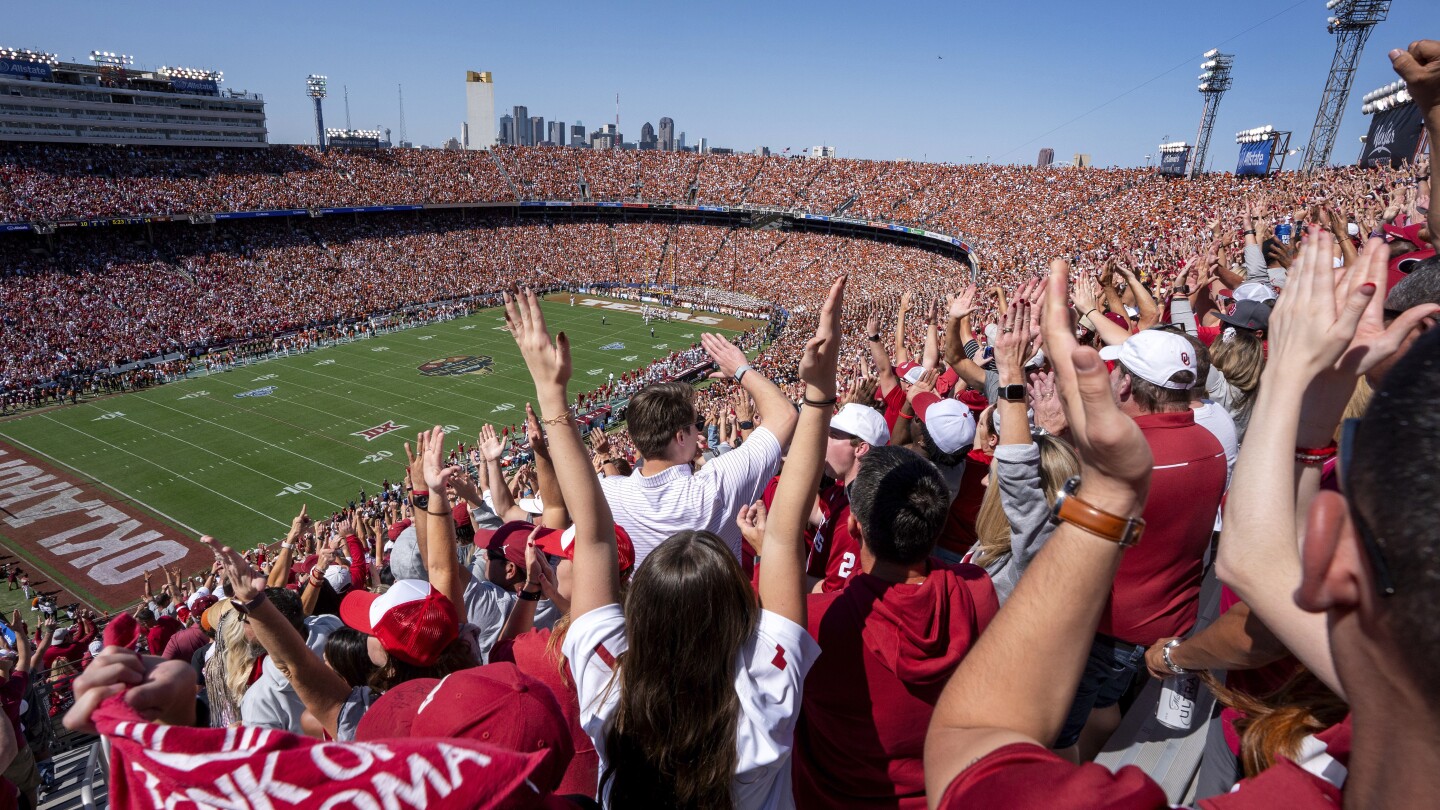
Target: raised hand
725 354
744 411
245 582
822 352
599 442
1115 458
297 525
548 362
1419 66
490 446
534 434
437 474
160 691
1044 400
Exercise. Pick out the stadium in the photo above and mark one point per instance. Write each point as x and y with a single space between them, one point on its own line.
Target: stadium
208 333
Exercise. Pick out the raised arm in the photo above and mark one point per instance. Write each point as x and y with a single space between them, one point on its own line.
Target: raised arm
596 564
280 568
776 411
902 354
319 687
554 515
1419 66
491 450
959 336
884 370
441 564
782 577
1028 662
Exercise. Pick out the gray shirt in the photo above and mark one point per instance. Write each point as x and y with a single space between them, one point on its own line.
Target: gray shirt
1017 466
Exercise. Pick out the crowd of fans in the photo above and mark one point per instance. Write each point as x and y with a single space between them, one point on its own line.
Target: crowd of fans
997 508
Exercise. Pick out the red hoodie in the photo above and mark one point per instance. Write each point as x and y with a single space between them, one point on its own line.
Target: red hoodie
887 651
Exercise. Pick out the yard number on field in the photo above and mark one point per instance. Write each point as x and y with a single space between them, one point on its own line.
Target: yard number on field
294 489
376 457
264 377
109 415
196 395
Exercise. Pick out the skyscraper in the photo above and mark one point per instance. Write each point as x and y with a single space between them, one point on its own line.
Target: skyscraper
480 109
507 129
522 126
537 130
667 134
556 133
1047 157
647 136
577 135
680 142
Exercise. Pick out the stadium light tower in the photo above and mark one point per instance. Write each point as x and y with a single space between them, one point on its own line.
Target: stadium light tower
315 88
1351 25
1214 81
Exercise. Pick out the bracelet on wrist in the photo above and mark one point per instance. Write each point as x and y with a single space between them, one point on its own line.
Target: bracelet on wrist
1316 455
1170 662
819 403
527 596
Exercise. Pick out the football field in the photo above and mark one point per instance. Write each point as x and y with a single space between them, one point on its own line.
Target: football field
235 453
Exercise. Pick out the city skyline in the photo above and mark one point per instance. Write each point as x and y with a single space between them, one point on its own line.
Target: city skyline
1112 84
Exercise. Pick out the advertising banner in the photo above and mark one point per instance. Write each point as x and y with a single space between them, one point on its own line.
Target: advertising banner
29 70
1173 163
1394 136
1255 157
203 86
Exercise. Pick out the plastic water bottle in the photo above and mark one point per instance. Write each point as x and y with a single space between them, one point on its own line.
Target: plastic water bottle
1177 702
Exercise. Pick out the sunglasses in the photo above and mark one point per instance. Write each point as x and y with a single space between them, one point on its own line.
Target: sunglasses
1349 432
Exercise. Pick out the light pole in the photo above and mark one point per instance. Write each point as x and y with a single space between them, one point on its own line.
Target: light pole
315 88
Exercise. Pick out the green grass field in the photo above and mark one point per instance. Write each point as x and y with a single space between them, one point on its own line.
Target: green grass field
206 460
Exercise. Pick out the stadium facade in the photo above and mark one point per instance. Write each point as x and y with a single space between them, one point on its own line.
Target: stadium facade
45 100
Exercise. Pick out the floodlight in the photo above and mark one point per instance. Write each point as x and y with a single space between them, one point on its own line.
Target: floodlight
1211 52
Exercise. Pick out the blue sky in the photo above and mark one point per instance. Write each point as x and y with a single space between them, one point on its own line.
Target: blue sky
867 78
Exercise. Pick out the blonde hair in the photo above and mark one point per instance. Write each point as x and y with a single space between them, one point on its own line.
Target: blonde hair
1239 354
1058 462
238 660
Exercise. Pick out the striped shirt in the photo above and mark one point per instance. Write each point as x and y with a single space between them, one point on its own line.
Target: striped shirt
652 508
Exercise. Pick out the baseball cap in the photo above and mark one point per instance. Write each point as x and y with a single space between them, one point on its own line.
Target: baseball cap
562 544
1254 291
509 541
210 619
1409 233
910 372
949 422
413 621
863 422
121 631
500 705
396 528
974 400
1155 355
339 577
1248 315
392 714
62 634
461 514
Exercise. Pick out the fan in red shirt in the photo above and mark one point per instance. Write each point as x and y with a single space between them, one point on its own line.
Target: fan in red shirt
889 642
1155 594
835 556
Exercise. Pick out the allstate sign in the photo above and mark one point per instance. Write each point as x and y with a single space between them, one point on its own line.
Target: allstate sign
1255 157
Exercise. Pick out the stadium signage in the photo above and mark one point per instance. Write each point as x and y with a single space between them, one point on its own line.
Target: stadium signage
206 86
1394 136
459 364
675 314
258 392
371 434
30 70
1255 157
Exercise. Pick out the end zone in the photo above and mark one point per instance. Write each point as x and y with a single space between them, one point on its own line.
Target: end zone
94 546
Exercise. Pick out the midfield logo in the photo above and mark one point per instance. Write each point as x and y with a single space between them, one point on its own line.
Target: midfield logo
613 347
459 364
371 434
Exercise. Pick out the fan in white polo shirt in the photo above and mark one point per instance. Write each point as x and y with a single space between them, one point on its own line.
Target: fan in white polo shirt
666 495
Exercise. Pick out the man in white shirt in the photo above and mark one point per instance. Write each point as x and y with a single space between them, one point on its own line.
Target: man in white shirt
666 495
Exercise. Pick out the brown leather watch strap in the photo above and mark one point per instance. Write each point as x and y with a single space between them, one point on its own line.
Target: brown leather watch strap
1101 523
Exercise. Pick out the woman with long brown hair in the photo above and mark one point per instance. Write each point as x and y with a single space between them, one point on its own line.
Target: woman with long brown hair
691 690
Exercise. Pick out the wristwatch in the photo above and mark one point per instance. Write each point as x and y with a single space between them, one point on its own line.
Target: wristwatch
1124 532
1165 654
874 338
1013 393
420 500
529 596
747 425
740 372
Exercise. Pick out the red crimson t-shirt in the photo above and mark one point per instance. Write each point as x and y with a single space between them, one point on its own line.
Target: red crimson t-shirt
1158 585
894 401
1024 775
959 535
835 555
887 651
748 559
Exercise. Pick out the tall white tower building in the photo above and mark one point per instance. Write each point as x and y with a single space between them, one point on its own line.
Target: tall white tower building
480 109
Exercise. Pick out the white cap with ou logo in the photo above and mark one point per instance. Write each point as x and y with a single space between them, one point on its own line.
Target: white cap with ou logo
1156 355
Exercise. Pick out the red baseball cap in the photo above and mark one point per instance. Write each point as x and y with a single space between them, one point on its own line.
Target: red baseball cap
562 544
413 621
396 529
502 706
391 715
974 400
461 514
508 541
122 631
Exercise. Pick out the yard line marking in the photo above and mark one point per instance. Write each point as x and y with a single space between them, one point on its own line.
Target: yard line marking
242 505
86 477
